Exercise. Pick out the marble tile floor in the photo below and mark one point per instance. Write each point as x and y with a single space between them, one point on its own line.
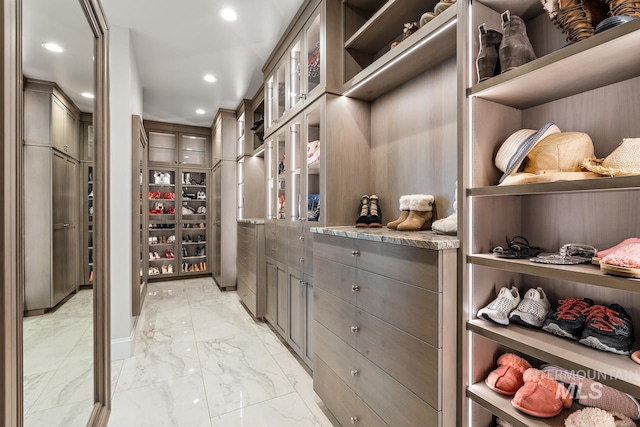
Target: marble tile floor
58 364
200 360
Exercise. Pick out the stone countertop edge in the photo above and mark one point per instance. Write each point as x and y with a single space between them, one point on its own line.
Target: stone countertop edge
256 221
417 239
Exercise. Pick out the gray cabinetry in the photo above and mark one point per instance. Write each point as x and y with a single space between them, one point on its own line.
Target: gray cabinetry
385 326
277 296
251 267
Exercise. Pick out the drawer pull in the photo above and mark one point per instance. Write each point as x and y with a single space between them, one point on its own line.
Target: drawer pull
245 258
355 253
302 260
301 238
355 329
302 283
355 288
354 420
355 373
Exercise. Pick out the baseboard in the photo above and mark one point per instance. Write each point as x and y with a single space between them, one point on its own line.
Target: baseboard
122 348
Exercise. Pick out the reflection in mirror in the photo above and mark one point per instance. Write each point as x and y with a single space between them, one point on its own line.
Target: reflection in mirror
58 66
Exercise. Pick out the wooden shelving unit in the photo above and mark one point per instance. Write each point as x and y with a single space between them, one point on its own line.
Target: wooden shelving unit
560 187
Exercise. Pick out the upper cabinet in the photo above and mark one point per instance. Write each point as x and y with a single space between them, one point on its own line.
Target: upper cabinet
297 73
171 144
56 119
380 53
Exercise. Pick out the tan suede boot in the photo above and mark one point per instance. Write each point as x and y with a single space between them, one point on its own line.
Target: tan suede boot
421 207
404 212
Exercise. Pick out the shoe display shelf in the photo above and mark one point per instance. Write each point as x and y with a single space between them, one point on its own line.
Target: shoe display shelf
371 67
162 257
590 86
194 249
87 271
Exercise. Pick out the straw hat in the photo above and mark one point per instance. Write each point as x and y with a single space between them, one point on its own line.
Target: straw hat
514 150
558 157
625 160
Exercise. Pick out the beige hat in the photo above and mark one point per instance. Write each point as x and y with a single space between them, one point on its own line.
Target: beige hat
514 150
624 160
558 157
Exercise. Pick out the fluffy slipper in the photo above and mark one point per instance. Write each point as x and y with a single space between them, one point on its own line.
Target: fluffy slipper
635 356
507 377
605 252
594 417
588 392
626 256
541 396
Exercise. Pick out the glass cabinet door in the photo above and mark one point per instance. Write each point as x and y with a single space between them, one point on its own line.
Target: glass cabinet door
162 148
272 167
295 78
297 154
281 179
193 150
281 96
314 73
275 96
313 163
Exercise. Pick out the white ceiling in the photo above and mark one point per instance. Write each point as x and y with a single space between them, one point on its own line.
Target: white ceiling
176 42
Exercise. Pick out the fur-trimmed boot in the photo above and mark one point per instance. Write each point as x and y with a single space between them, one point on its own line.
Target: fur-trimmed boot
577 19
515 48
488 60
624 7
448 225
404 212
421 212
375 213
363 219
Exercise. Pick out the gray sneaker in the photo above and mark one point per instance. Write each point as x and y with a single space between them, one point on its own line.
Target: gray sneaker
532 310
498 310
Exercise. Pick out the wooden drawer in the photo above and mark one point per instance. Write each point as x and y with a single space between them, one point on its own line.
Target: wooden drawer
296 237
308 257
338 249
247 296
335 278
247 230
393 402
412 362
248 277
247 244
247 260
345 405
409 308
336 315
296 258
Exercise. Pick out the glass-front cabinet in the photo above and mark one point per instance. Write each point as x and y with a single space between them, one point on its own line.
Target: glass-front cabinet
162 147
296 155
298 77
281 177
193 150
269 155
178 148
313 163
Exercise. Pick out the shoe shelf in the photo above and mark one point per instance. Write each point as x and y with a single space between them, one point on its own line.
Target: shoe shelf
554 77
615 370
501 407
426 48
194 243
585 185
161 185
194 257
583 273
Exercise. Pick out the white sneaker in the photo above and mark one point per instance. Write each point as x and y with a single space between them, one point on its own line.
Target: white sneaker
498 310
533 309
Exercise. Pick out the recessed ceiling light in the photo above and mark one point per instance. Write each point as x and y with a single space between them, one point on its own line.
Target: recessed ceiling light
210 78
228 14
88 95
200 111
52 47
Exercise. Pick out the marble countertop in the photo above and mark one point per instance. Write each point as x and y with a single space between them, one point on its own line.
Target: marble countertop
417 239
255 221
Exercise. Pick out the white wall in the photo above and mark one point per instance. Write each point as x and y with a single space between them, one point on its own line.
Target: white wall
126 99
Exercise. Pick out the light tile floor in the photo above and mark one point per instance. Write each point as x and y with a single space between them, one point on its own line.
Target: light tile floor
201 360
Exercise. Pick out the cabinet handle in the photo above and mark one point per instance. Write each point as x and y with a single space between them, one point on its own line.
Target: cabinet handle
302 260
355 329
355 253
302 283
301 238
355 288
66 225
355 373
303 96
354 420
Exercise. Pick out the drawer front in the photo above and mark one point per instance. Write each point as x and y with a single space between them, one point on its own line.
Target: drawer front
247 297
343 403
248 277
393 402
247 259
282 245
296 237
296 258
412 362
337 249
415 266
308 259
247 244
409 308
335 278
335 315
270 238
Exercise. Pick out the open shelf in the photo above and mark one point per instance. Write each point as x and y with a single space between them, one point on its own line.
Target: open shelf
194 257
606 58
385 24
193 186
583 273
161 185
501 407
194 243
615 370
365 5
583 185
426 48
